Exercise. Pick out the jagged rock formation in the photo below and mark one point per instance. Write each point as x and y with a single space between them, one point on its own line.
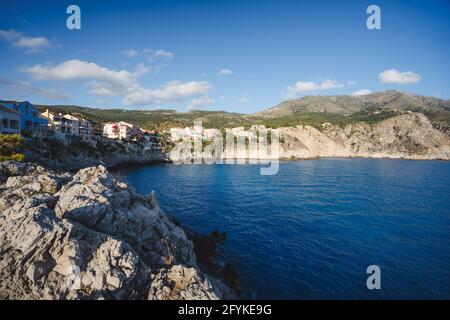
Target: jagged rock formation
408 136
89 236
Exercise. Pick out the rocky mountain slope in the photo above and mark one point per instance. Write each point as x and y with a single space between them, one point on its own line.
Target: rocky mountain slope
89 236
408 136
390 100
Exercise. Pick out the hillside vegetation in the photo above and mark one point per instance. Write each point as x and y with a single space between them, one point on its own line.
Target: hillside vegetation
309 110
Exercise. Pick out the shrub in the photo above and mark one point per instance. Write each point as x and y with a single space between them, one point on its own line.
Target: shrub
16 157
10 145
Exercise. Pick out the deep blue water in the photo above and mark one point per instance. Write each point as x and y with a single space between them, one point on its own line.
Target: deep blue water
312 230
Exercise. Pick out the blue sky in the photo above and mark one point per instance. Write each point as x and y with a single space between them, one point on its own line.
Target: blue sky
239 56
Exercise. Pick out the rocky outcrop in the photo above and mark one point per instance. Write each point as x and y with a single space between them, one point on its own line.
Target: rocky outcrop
89 236
72 155
408 136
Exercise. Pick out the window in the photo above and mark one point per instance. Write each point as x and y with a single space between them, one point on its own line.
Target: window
5 123
14 124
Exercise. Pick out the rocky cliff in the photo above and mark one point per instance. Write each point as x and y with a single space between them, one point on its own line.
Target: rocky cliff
408 136
89 236
76 154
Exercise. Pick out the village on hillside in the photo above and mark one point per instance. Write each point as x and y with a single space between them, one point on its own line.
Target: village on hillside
25 119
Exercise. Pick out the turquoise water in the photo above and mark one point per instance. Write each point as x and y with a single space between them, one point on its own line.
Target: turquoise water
312 230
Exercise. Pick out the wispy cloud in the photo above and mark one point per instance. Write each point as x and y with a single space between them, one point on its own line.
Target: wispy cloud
131 53
161 53
395 76
225 72
25 87
149 54
200 102
243 99
19 40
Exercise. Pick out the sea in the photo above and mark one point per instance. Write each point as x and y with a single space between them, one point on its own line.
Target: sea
312 230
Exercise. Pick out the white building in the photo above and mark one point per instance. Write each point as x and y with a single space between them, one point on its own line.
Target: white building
122 130
67 125
85 128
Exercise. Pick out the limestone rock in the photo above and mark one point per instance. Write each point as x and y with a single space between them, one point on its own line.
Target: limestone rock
407 136
89 236
184 283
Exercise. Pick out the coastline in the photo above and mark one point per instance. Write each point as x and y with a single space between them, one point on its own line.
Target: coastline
42 190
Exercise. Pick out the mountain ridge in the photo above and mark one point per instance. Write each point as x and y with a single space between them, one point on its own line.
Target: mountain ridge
312 110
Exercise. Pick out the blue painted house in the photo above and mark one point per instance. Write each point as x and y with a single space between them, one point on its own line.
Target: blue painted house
30 119
9 120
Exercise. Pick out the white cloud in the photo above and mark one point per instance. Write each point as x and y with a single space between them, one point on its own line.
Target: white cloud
142 69
330 84
225 72
19 87
361 92
9 35
174 91
221 98
102 81
394 76
351 82
19 40
301 86
198 103
75 70
105 82
307 86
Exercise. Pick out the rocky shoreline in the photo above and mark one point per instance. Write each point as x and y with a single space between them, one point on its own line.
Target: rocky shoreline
86 235
75 155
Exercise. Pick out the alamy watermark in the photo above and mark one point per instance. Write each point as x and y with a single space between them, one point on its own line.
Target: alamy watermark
373 22
257 145
73 21
374 280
